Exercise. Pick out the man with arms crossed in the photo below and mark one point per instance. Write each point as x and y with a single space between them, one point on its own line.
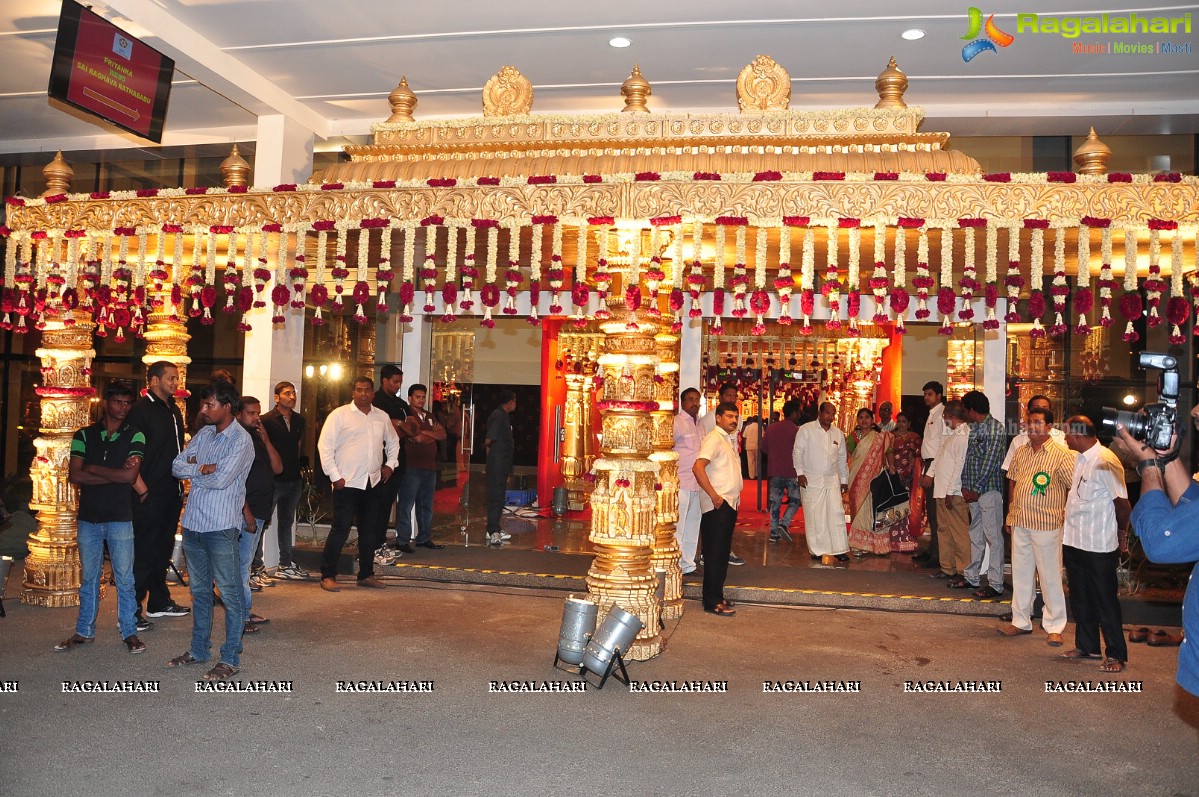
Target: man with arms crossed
105 461
217 460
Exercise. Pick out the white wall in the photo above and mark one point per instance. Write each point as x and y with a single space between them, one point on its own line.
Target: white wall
924 354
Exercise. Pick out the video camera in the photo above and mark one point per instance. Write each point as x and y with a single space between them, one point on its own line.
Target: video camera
1156 424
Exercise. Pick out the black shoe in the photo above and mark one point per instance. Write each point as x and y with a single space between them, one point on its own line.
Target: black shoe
170 610
931 564
142 623
406 547
842 557
431 545
815 558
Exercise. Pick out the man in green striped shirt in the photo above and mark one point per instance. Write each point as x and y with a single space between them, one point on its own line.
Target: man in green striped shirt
106 459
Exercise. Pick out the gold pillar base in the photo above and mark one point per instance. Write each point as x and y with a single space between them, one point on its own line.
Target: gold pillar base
52 569
622 575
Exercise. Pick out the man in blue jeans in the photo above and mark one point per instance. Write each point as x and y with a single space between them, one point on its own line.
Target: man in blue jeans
780 470
260 490
217 460
105 461
420 477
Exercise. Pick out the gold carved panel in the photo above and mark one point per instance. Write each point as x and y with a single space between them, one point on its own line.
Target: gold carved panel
763 85
507 93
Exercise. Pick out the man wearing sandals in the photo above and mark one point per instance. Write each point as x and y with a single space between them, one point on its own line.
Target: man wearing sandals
105 461
217 461
717 470
1096 509
1038 480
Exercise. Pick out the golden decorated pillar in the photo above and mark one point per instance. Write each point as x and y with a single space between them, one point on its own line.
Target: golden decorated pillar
52 569
666 545
624 501
166 339
573 460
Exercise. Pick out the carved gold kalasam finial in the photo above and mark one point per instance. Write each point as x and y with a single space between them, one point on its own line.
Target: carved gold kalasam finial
1092 155
507 93
402 100
890 85
235 169
636 91
763 85
58 174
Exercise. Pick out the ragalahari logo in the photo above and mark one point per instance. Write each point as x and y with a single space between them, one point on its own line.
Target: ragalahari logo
994 36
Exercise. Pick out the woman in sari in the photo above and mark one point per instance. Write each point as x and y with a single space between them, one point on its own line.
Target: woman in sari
870 454
909 466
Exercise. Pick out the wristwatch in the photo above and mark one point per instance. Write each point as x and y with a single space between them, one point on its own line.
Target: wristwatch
1155 463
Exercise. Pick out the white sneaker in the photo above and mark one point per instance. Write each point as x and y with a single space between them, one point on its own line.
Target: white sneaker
496 537
385 556
504 535
290 572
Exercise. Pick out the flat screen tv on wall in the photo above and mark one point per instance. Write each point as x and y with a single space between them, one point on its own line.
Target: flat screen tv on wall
101 69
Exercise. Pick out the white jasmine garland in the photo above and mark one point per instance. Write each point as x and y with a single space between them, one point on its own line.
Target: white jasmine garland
1037 261
408 265
992 255
760 259
493 238
718 267
209 259
536 239
1084 256
901 257
1130 259
139 272
855 258
451 256
364 241
946 280
676 260
584 238
1176 264
807 277
322 241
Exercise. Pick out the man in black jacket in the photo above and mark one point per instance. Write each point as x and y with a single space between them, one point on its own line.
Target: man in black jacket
387 398
156 515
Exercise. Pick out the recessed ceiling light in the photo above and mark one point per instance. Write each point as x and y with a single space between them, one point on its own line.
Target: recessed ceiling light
619 41
912 34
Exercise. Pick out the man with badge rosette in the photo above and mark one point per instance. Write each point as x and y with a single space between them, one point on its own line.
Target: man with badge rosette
1038 483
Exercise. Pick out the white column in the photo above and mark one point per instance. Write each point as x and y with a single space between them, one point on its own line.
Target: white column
691 339
418 337
995 364
283 154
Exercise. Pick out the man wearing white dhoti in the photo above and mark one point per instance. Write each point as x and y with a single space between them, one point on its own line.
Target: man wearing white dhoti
822 469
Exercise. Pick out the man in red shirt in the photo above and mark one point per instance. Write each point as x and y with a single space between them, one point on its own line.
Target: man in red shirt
780 470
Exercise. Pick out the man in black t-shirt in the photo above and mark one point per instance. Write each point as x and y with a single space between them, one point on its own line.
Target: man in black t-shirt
260 492
106 459
285 427
387 398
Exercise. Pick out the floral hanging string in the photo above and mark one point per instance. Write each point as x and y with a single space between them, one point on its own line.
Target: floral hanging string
878 278
946 298
580 291
1177 309
1059 289
807 280
1036 298
556 274
1083 298
991 279
831 287
695 279
1130 302
759 300
449 286
923 281
717 327
470 268
603 279
490 295
784 283
1154 285
1013 282
853 270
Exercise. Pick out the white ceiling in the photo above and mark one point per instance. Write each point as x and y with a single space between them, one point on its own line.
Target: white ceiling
330 65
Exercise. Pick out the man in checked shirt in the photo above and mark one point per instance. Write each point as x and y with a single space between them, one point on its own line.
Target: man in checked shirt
982 485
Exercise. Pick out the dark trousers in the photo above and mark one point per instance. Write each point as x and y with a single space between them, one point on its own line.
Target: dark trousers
385 501
497 485
351 505
285 501
934 549
1094 601
154 524
716 534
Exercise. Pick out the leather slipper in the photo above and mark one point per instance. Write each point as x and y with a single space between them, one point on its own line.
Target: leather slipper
722 609
1138 634
75 641
1164 639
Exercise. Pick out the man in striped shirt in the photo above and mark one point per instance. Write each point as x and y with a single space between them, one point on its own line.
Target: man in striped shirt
217 460
1038 482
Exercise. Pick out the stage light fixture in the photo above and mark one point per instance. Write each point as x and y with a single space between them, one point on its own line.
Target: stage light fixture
604 653
578 625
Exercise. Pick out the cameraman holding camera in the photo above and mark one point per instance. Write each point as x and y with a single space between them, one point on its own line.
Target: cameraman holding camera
1166 517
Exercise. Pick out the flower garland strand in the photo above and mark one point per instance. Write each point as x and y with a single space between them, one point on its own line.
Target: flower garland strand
1178 309
1106 280
1060 288
654 275
676 279
717 327
878 277
556 273
603 279
740 281
490 295
1083 298
580 291
923 281
695 279
536 243
946 298
298 273
1154 285
428 272
991 278
383 270
1013 282
900 298
832 284
853 275
1130 302
1036 298
759 300
340 269
407 274
807 279
969 284
784 282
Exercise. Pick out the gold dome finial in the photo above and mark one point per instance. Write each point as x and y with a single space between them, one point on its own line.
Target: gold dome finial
235 169
890 85
1092 155
636 91
58 174
402 100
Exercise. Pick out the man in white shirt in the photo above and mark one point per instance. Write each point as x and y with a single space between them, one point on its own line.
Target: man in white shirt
953 512
687 439
934 431
1097 509
727 394
717 470
1056 436
352 447
822 469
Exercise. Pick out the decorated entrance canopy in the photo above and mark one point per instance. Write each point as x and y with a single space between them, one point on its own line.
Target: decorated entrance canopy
763 213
